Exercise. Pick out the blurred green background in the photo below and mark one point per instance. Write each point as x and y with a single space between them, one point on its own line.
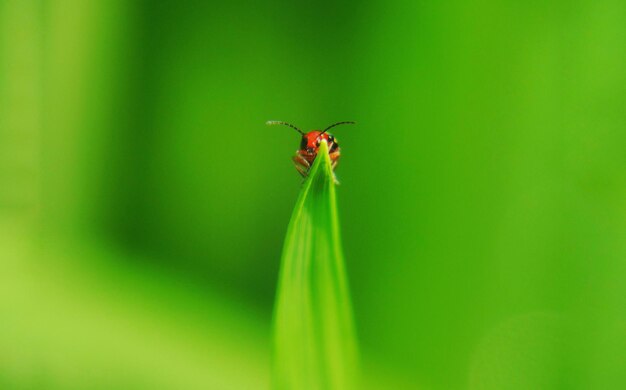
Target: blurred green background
143 203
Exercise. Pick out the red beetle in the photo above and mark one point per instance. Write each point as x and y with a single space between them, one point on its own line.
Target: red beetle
309 145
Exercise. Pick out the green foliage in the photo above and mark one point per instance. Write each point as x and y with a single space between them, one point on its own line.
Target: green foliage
485 196
314 339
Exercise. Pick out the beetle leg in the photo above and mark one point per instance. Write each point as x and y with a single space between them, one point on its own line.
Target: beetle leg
302 165
334 157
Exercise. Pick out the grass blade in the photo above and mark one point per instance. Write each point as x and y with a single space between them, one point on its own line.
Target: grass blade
314 338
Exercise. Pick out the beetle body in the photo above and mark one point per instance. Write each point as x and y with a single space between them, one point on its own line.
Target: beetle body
310 144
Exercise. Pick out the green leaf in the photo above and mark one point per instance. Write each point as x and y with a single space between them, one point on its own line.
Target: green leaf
314 338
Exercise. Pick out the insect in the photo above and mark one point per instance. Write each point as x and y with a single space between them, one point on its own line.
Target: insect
309 146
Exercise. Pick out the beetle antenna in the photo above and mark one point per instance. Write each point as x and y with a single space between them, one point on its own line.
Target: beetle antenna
270 123
337 124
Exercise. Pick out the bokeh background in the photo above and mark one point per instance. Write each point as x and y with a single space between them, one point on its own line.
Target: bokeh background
143 203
